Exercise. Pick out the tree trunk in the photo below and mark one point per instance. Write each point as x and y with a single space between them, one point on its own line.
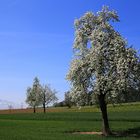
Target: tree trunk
34 109
106 130
44 107
44 102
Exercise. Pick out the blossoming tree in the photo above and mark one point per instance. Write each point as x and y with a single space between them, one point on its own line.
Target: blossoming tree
33 94
103 63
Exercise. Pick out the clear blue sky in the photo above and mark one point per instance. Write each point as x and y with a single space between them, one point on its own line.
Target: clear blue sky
36 38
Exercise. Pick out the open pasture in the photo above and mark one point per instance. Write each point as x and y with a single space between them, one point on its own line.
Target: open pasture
59 123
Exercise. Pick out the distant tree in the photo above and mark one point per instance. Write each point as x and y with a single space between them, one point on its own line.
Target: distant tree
103 62
84 99
59 104
10 106
48 96
33 94
68 99
130 95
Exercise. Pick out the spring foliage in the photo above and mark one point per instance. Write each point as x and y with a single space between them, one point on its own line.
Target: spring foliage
33 94
103 62
39 95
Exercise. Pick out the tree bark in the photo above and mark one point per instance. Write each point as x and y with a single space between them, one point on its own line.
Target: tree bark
34 109
106 130
44 107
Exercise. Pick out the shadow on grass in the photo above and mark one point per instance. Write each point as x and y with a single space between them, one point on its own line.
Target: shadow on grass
132 132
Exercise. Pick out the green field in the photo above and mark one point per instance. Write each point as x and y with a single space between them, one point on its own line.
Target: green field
59 125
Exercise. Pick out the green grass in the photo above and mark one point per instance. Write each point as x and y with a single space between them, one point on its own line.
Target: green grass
58 125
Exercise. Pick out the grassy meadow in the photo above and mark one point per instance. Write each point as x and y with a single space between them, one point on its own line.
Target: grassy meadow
59 123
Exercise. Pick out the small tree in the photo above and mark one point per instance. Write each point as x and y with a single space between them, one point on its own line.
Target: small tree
103 62
33 94
68 99
47 96
10 106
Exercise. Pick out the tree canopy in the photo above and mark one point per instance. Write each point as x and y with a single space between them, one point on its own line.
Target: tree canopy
39 95
103 63
33 94
47 96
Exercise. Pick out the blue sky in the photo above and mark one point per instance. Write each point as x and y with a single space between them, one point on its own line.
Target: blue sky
36 38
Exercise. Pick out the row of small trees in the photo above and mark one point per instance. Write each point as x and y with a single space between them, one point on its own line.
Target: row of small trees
40 95
89 99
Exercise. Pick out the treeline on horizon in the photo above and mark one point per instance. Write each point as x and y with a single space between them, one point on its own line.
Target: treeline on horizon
43 96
